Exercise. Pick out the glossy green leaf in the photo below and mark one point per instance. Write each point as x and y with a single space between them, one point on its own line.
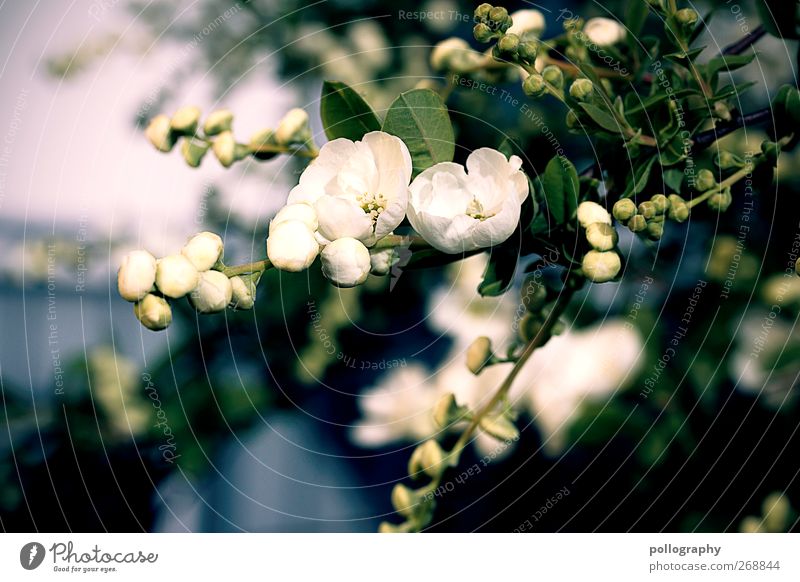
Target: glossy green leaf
561 189
345 113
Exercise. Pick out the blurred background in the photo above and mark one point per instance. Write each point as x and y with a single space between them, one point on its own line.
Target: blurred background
301 414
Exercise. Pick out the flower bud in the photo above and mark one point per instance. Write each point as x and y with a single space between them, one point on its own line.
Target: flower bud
403 500
498 15
159 133
572 120
661 203
479 354
482 32
591 212
534 294
601 267
136 275
704 181
264 138
534 85
293 128
301 211
678 209
529 326
751 524
193 151
777 512
446 52
726 160
527 23
624 209
382 260
770 149
176 276
225 148
482 11
203 250
797 267
218 121
447 411
213 293
720 201
648 209
500 427
553 75
291 246
185 120
153 312
427 458
687 16
604 31
243 293
602 236
655 230
637 223
508 44
581 89
345 262
528 50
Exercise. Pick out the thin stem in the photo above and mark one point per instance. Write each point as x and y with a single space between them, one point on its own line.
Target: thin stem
708 137
745 42
247 268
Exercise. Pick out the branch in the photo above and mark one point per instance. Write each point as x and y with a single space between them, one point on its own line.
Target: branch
746 41
705 138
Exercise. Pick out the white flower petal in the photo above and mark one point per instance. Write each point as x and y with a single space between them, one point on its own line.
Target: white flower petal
340 217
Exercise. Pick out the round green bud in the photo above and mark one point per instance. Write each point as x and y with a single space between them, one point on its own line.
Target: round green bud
678 209
725 160
637 223
534 85
427 458
534 294
193 151
478 354
185 120
553 75
160 134
529 326
770 150
581 89
602 237
705 180
572 120
224 148
661 203
153 312
624 209
527 50
403 500
482 11
655 230
601 266
218 121
720 201
648 209
498 15
797 267
687 16
508 44
482 32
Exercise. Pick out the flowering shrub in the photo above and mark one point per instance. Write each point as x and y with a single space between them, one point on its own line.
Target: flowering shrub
652 108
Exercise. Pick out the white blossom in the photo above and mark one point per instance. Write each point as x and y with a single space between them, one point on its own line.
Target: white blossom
176 276
527 22
303 212
203 250
243 293
213 292
457 211
358 189
604 31
346 262
291 246
591 212
136 275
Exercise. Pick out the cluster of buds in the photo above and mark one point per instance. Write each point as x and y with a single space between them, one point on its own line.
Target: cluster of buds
721 199
149 282
216 135
516 34
648 218
293 245
602 263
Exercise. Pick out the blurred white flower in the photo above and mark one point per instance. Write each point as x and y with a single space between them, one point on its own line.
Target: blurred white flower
576 366
113 387
604 31
358 189
457 211
454 54
527 22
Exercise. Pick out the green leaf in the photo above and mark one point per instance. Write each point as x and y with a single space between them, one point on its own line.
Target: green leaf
728 63
684 58
499 272
601 118
635 16
344 112
673 179
701 25
641 174
561 189
780 17
786 106
420 119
